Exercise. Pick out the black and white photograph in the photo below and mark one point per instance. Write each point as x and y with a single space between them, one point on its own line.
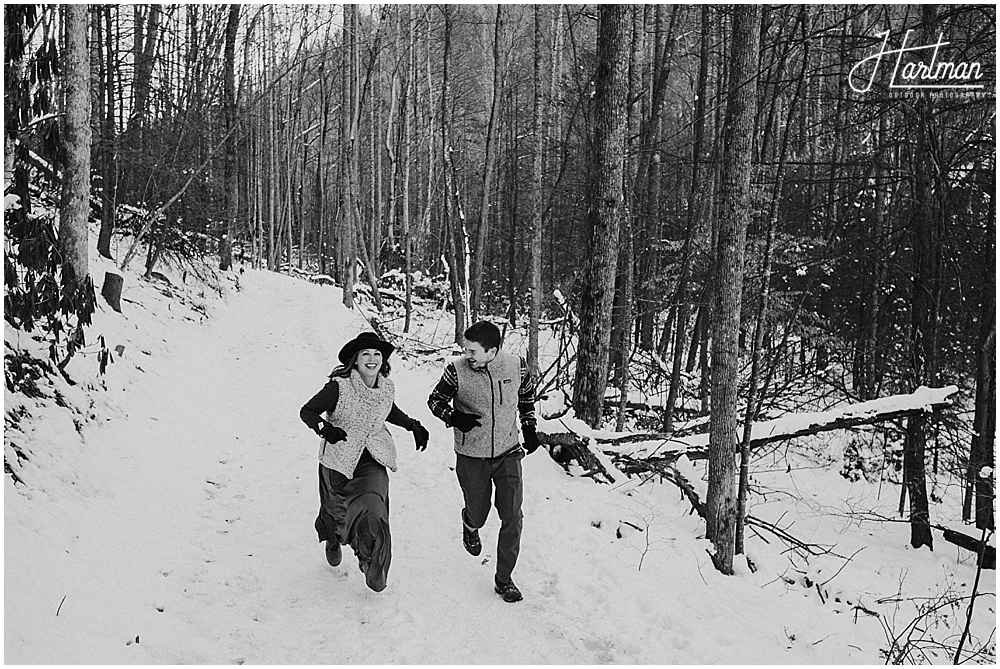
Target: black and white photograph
499 334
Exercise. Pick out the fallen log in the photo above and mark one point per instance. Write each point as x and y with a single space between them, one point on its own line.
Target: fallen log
664 467
568 447
989 555
791 426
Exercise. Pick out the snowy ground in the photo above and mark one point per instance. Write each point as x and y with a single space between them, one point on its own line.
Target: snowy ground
172 523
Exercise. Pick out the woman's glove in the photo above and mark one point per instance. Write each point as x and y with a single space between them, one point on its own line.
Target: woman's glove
465 421
331 433
530 438
420 435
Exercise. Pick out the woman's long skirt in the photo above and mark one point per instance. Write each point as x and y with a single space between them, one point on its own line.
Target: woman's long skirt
355 511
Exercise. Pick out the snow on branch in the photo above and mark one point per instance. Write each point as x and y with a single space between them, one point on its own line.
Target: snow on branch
873 411
788 426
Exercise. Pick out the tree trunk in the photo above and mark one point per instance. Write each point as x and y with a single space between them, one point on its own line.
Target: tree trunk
391 136
489 172
272 163
979 496
622 309
536 196
291 130
375 187
754 393
109 167
322 204
74 205
647 182
351 114
734 207
605 213
425 219
694 207
704 361
923 310
866 384
409 114
551 121
624 352
231 174
513 262
454 217
978 487
146 37
834 206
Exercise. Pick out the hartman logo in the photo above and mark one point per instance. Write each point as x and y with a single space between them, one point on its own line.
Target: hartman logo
915 67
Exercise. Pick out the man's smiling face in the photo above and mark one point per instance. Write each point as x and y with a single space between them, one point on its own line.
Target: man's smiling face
477 356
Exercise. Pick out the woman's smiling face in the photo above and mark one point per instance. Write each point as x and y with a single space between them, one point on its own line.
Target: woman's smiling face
368 363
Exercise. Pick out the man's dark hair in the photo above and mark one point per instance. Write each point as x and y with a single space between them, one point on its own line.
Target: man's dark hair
485 334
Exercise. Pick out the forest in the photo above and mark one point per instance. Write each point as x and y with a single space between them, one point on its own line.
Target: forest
737 209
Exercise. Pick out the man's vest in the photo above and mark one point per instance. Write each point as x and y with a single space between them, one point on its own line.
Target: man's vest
361 412
491 392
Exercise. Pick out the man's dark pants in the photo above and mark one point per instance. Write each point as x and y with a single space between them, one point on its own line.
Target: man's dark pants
478 477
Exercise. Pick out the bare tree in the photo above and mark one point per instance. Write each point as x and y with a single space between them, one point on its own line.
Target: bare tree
984 425
454 218
734 208
109 168
605 214
351 115
409 120
923 308
693 208
74 206
229 105
489 172
536 191
146 38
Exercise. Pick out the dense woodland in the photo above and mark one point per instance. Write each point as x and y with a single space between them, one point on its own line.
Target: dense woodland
699 187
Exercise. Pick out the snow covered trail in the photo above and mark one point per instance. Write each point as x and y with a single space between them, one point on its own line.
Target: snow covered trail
191 538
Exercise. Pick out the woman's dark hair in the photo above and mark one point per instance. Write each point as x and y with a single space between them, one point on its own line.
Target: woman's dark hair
344 371
485 334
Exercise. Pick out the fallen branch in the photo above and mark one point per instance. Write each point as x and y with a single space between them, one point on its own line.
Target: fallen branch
846 562
665 468
859 607
784 535
840 424
791 426
566 447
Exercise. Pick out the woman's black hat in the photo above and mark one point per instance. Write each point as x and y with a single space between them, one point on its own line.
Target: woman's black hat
363 341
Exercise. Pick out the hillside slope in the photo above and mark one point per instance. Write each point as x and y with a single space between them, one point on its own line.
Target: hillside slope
176 525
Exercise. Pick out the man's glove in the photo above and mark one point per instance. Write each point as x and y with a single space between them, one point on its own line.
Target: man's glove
420 435
530 438
465 421
331 433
